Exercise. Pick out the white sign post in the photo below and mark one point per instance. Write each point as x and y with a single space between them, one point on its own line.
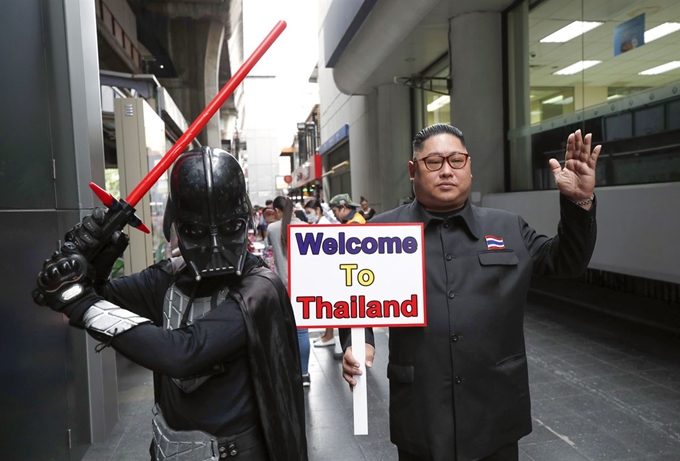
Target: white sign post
357 277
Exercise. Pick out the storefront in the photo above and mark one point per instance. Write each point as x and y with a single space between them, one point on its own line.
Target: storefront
334 154
306 180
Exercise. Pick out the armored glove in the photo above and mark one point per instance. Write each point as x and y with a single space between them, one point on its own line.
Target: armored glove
65 282
86 238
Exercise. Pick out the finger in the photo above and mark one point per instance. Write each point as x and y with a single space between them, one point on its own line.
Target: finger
370 355
555 166
585 151
592 161
349 358
350 379
578 141
349 364
571 143
99 214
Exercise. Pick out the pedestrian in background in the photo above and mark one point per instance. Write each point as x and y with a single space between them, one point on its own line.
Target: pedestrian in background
345 210
459 387
366 211
315 215
314 212
277 237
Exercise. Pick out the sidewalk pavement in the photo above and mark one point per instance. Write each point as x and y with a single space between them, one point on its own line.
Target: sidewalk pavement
603 389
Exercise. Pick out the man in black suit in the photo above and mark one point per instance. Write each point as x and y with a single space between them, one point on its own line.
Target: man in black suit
459 386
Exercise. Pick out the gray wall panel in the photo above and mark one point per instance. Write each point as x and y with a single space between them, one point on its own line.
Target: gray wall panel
636 226
32 375
48 62
25 150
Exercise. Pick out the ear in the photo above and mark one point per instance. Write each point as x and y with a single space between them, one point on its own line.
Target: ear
411 169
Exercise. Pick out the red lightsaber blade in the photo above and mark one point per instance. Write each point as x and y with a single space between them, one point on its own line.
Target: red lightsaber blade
121 212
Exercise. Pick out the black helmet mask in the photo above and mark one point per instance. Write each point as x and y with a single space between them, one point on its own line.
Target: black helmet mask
209 209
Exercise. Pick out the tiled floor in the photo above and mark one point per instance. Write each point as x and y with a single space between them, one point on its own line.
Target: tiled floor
602 389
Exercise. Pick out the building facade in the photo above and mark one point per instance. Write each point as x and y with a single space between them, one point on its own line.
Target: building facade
495 69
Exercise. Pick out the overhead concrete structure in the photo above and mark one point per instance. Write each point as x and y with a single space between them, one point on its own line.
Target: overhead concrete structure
190 46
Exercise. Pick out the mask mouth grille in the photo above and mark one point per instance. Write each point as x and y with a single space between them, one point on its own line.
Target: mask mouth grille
217 263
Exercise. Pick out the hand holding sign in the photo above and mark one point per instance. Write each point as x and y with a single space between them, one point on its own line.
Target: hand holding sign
351 366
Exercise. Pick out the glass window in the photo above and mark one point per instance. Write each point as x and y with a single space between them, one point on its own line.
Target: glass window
610 68
431 100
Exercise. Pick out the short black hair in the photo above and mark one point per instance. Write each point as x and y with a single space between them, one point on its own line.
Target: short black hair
433 130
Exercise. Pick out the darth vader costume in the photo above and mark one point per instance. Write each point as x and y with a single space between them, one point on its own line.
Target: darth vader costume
215 325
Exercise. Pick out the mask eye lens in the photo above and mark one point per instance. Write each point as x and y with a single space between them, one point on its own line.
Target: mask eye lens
193 231
231 227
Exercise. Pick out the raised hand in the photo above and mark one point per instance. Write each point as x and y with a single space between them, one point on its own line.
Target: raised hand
86 236
576 180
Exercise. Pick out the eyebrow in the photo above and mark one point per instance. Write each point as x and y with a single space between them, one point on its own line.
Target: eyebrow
431 154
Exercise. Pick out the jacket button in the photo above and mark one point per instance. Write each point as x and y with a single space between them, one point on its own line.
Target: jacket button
454 338
448 257
446 225
451 294
457 380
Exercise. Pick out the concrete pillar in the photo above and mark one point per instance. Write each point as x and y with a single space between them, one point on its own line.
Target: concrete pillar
519 107
211 70
196 45
393 132
475 43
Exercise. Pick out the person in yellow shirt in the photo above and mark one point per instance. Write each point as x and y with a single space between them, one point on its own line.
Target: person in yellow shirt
345 210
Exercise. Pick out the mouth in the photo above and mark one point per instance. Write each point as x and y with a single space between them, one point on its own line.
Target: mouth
447 185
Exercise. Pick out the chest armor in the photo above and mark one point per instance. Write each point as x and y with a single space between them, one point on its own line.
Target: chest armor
175 315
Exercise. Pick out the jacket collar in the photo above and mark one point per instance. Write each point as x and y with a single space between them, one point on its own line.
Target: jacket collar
420 214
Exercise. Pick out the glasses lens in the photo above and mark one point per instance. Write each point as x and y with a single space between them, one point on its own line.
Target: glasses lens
457 160
433 163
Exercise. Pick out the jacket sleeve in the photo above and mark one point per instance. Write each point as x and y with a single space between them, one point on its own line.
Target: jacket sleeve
141 293
189 351
569 252
346 337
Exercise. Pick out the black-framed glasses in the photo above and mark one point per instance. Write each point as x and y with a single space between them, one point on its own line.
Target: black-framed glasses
457 160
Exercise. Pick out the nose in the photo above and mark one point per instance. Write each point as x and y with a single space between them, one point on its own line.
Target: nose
446 170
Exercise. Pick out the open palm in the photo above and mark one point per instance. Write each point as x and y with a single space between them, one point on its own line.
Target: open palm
577 179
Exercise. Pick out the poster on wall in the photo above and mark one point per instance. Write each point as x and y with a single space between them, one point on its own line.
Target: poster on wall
629 35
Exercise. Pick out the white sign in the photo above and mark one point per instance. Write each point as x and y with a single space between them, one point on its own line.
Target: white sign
370 275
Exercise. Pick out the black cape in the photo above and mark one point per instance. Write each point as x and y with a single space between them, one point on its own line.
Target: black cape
276 371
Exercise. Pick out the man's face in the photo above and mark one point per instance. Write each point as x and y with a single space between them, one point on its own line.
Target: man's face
340 212
445 189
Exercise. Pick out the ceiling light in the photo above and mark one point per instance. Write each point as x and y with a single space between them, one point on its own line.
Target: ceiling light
614 96
570 31
559 100
661 31
576 67
554 100
661 69
438 103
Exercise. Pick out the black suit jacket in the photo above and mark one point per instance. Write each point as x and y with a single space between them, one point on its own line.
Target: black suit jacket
460 384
